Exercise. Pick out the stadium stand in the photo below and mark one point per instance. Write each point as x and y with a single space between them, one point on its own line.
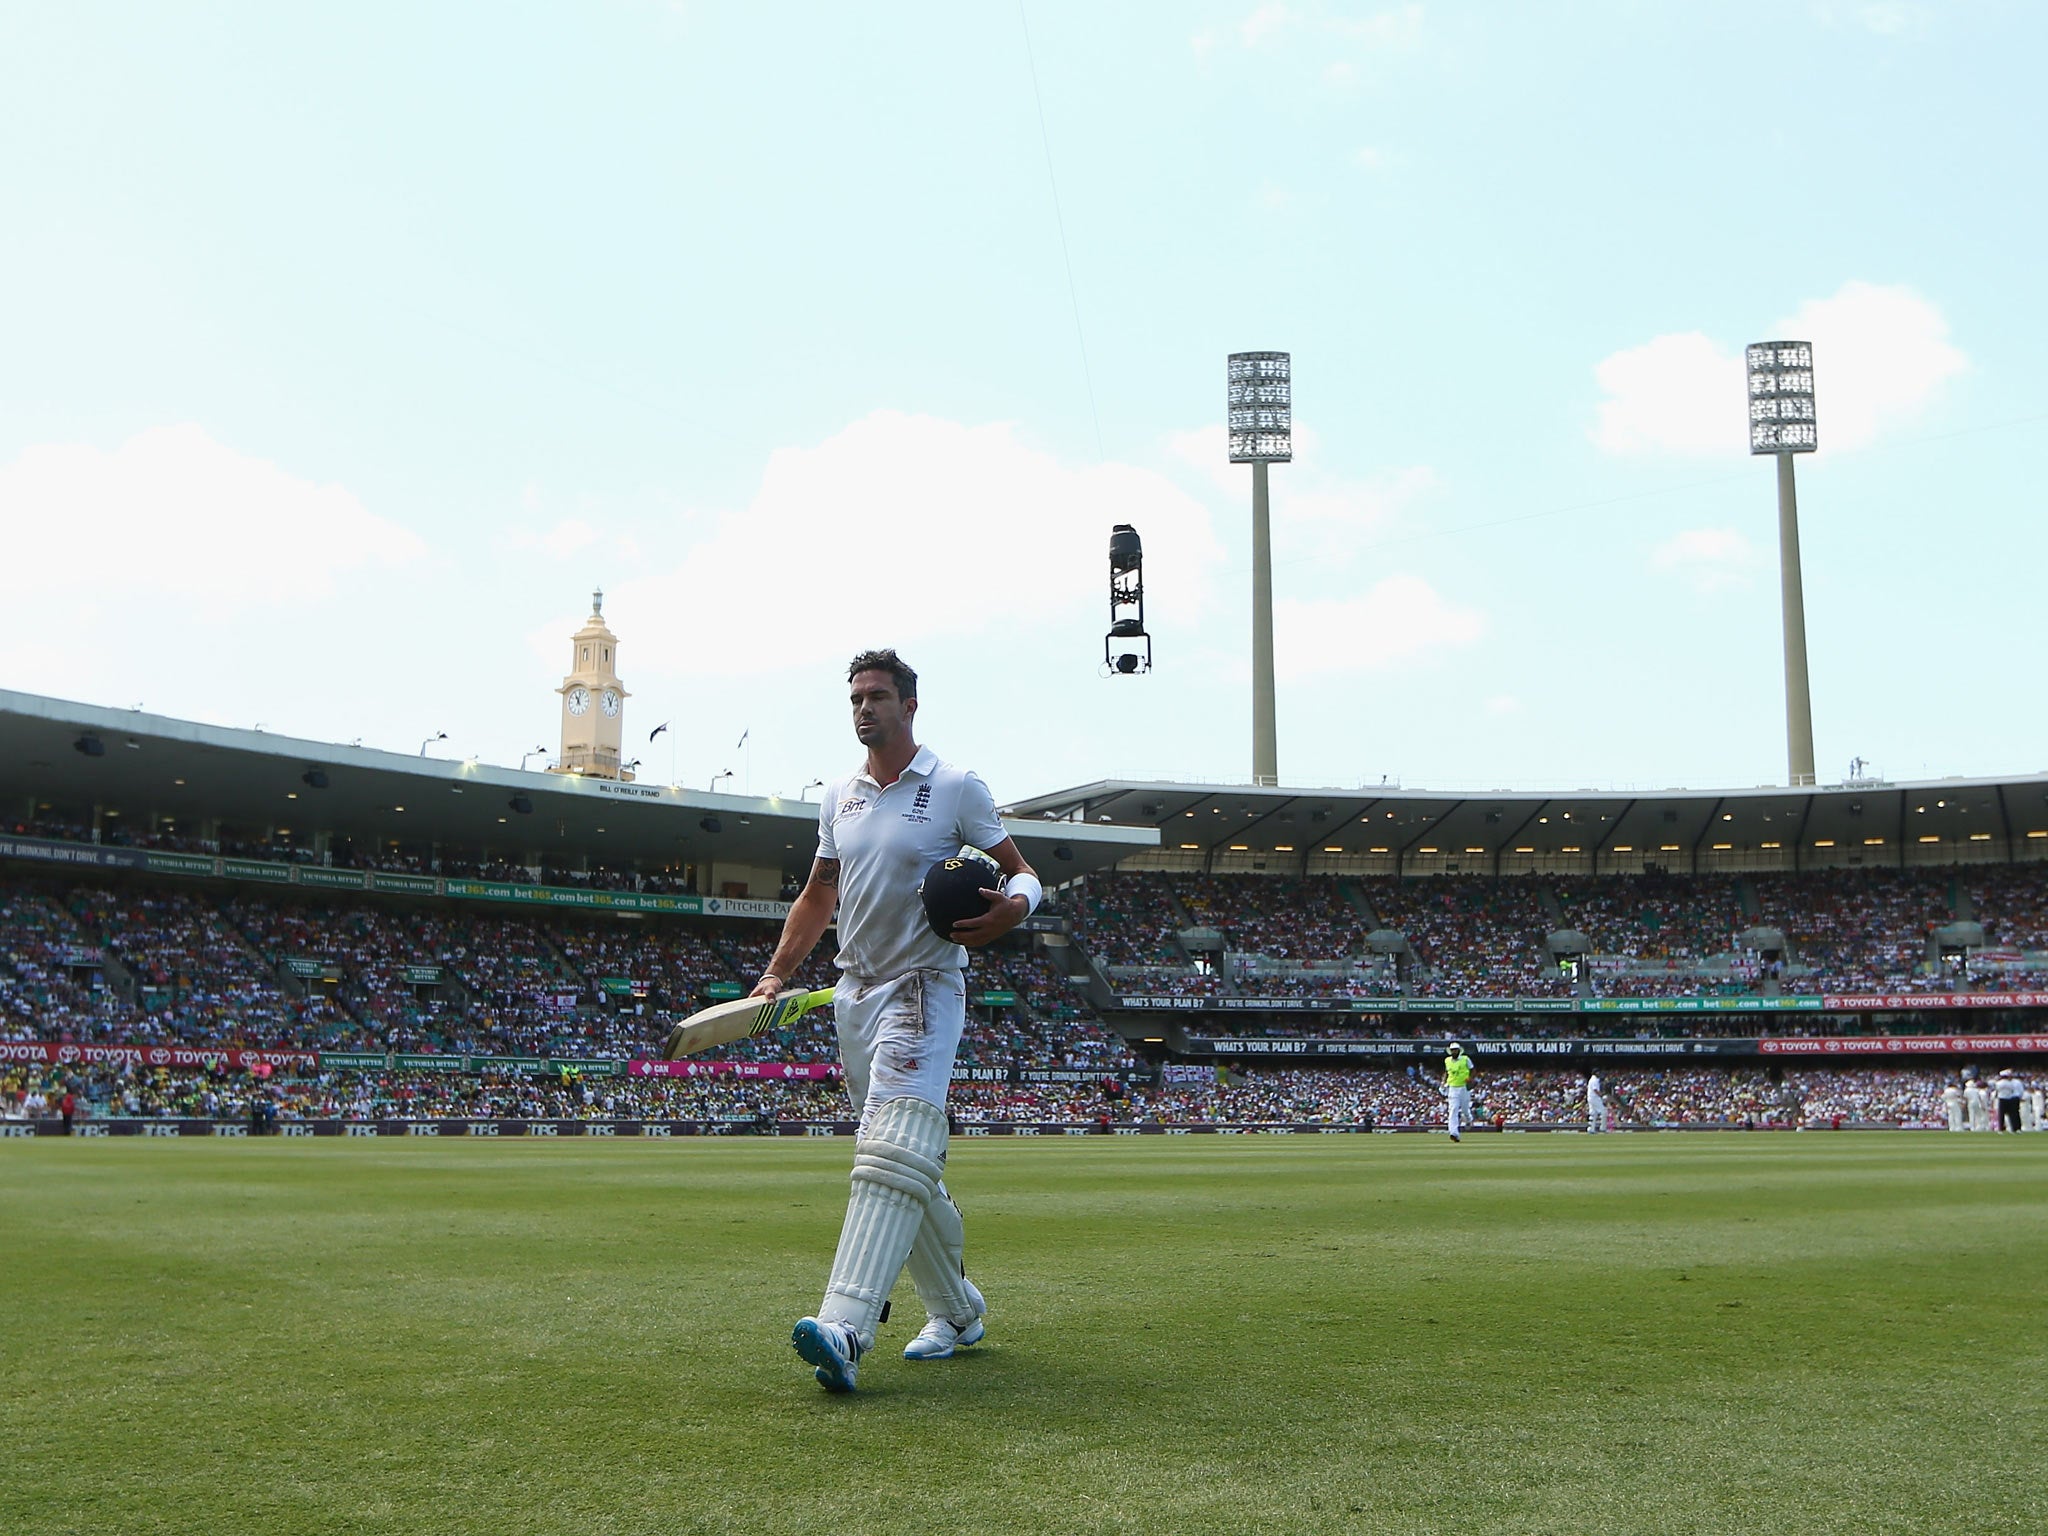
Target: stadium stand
214 964
1676 1097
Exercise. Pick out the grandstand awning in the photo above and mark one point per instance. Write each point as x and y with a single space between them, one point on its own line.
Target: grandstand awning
1939 821
148 767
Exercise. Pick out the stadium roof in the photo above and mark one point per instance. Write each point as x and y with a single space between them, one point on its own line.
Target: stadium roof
1932 821
253 779
152 766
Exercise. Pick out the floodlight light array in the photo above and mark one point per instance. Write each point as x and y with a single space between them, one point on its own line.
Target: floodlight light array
1781 415
1261 400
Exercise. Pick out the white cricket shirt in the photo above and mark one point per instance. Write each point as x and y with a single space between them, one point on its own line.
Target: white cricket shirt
884 840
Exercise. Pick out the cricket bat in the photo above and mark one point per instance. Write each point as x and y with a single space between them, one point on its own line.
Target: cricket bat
723 1023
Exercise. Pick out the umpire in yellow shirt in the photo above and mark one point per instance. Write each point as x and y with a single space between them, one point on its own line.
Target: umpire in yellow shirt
1457 1087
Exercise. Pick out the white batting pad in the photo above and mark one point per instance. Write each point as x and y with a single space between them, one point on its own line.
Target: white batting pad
938 1262
896 1170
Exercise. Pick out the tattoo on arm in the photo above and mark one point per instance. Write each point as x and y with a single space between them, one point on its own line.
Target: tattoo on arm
825 872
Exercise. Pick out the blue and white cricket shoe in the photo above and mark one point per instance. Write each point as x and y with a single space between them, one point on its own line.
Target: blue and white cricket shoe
833 1348
940 1337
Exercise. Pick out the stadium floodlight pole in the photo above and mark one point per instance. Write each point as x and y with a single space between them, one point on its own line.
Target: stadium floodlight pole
1261 406
1781 422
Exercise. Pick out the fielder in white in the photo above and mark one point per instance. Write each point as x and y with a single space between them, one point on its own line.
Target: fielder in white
1978 1103
1596 1104
900 1007
1952 1103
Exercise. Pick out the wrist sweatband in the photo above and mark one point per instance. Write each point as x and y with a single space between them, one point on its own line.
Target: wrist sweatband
1026 885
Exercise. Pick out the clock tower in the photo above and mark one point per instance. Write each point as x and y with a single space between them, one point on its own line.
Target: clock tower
593 701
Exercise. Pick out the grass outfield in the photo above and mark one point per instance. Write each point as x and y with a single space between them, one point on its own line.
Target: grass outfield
1669 1333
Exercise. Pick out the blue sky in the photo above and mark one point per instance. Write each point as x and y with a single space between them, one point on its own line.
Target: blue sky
348 348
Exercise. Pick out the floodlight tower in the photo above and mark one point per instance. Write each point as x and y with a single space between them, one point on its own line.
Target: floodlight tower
1781 422
1261 400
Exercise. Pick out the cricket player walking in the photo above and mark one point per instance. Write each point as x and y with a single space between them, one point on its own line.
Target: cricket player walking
899 1009
1952 1106
1457 1088
1596 1104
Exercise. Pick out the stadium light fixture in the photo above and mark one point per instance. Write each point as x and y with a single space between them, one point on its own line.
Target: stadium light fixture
1782 423
1260 401
437 736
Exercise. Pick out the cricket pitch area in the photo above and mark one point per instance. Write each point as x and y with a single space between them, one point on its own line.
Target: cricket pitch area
1650 1332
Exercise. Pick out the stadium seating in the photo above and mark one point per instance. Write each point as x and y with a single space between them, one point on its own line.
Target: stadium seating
147 959
1703 1095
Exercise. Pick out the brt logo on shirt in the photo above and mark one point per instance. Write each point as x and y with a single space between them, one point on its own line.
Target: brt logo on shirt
848 808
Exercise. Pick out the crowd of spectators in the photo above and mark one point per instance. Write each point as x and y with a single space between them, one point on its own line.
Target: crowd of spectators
1651 935
1857 930
1863 930
155 960
1472 936
1131 920
1653 916
1280 917
193 979
1668 1097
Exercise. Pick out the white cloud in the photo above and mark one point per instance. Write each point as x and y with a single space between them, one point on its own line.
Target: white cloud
1710 559
1400 619
1309 505
1676 394
1502 706
1881 357
1264 22
1207 451
173 571
1370 157
1398 27
191 519
1887 19
1370 503
904 529
561 541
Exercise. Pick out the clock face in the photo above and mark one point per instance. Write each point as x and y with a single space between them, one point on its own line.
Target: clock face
610 701
579 701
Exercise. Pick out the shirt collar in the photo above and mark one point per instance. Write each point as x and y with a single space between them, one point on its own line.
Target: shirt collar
922 765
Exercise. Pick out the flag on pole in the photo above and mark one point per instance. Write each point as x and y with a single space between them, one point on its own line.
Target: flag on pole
657 730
